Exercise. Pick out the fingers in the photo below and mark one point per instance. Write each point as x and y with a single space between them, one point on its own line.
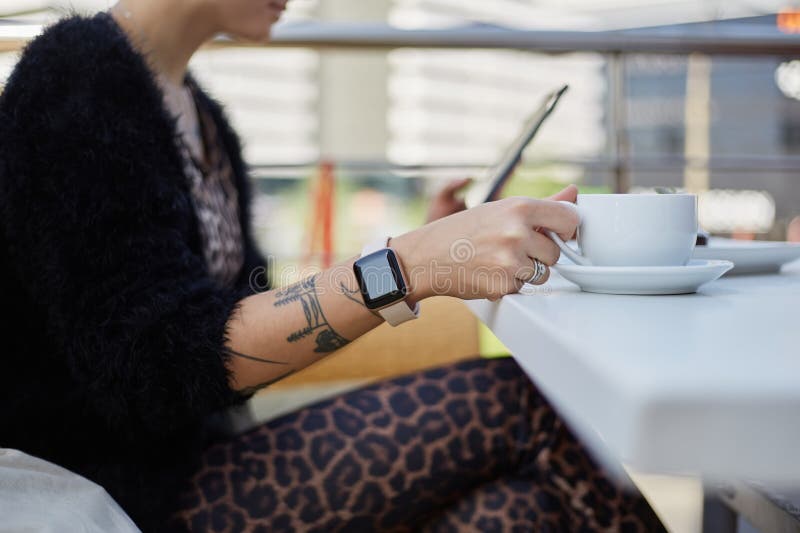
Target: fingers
538 246
526 274
543 279
568 194
446 203
455 186
518 284
555 216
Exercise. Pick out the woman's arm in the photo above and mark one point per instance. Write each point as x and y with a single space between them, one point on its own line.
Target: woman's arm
484 252
276 333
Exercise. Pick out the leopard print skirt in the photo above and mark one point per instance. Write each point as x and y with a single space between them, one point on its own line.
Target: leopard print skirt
469 447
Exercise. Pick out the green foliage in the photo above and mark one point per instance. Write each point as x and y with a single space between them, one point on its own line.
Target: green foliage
538 184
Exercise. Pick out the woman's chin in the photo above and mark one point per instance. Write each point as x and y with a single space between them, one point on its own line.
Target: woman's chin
264 36
257 36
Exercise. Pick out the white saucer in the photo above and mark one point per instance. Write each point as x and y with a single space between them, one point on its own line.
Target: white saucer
644 280
750 257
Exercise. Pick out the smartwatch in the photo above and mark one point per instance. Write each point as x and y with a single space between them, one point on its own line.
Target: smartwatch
383 284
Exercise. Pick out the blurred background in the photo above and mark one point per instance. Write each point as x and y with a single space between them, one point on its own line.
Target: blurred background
359 111
347 142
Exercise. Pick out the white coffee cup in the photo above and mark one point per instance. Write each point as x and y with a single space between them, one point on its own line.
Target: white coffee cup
633 230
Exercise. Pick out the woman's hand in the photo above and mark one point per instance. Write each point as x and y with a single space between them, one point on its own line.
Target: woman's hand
487 251
484 252
446 203
569 194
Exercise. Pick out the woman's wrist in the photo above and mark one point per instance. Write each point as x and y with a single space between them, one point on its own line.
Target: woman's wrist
415 266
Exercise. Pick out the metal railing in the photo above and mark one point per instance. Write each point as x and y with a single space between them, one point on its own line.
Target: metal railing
737 40
673 41
754 41
616 45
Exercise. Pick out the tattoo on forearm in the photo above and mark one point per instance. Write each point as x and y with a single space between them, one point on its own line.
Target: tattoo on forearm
305 292
352 294
255 388
234 353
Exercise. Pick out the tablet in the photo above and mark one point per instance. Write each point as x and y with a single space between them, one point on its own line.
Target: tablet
491 185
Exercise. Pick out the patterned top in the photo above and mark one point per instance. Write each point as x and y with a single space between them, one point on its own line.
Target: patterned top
210 175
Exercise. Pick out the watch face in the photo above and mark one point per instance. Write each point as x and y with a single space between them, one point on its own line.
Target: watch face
380 279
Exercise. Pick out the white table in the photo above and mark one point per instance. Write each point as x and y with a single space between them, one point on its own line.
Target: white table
705 384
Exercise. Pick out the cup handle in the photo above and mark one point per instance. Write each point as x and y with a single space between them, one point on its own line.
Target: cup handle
576 258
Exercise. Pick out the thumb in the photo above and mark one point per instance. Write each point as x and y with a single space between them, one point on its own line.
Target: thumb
569 194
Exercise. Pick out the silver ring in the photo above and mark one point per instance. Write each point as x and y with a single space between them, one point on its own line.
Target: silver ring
540 269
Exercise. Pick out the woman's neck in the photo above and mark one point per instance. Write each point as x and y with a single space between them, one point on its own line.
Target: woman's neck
167 33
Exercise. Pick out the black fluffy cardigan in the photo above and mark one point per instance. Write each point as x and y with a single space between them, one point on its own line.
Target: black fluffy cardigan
114 330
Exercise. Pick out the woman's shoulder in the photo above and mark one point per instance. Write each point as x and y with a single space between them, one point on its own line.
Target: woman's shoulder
80 108
74 41
77 58
94 88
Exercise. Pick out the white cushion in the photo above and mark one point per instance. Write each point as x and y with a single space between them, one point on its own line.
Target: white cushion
37 496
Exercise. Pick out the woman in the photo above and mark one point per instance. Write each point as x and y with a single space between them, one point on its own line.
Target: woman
127 259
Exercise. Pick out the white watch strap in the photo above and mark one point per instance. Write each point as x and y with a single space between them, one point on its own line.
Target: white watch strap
399 312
